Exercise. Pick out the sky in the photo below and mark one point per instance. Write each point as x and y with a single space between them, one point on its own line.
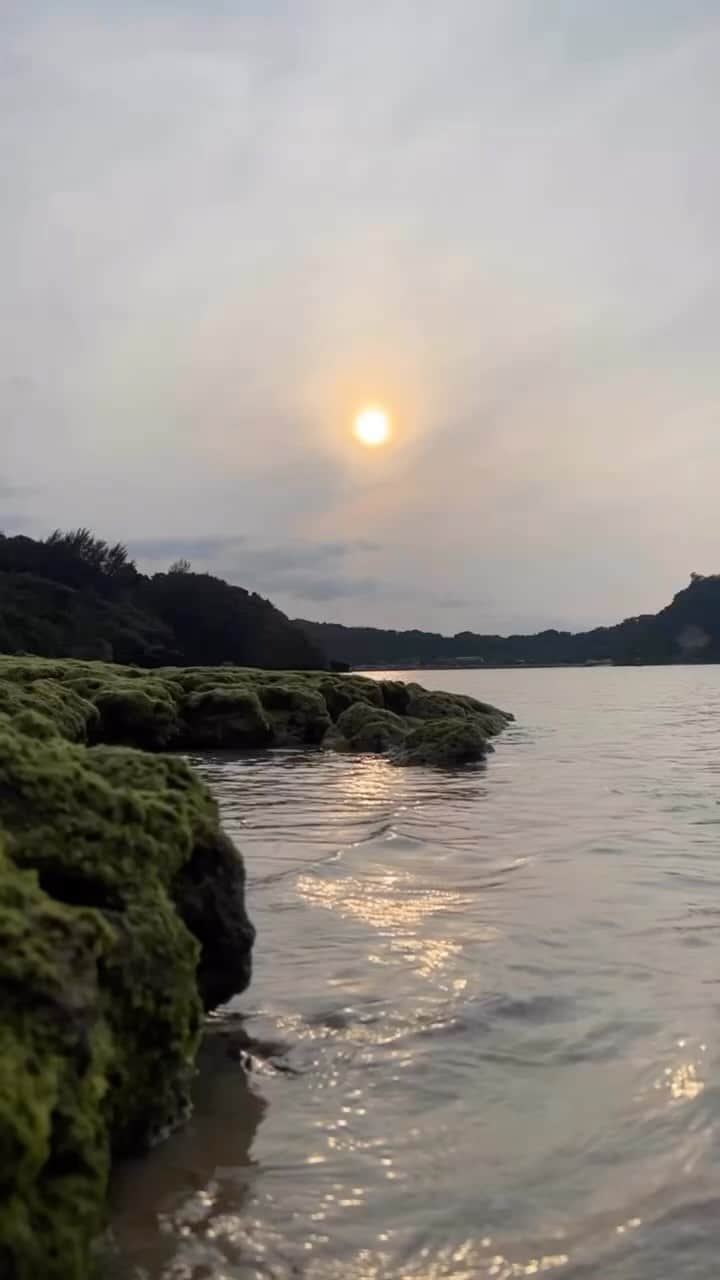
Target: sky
227 227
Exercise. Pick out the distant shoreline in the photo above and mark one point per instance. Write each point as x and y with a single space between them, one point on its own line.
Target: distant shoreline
524 666
686 631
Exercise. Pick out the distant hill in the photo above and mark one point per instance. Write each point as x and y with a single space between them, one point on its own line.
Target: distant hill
687 630
73 595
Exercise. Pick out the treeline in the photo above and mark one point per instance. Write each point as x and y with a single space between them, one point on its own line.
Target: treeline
687 630
75 595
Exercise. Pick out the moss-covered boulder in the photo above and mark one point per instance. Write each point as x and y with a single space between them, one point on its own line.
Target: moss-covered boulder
121 916
424 727
395 696
134 710
298 714
56 1053
445 743
341 692
144 715
426 704
224 716
363 727
72 715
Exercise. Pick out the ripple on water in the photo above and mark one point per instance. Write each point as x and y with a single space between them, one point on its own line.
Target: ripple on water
497 992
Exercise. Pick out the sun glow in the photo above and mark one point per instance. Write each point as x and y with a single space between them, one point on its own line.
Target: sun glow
372 426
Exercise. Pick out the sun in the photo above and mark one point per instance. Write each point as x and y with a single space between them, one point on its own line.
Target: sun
372 426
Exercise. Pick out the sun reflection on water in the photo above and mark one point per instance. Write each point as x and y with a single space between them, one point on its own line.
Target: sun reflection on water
394 904
683 1082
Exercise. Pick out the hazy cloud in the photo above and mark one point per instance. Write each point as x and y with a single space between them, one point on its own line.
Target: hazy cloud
227 226
163 551
326 587
13 520
297 571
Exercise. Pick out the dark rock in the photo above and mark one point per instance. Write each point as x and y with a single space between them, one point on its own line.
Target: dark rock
209 894
396 696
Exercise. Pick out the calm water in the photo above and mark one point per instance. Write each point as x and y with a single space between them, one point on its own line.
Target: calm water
500 991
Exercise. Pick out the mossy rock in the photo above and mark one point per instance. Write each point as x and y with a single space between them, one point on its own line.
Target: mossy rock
139 713
444 743
64 708
233 707
199 679
298 715
395 696
26 669
363 727
224 717
425 704
342 691
56 1051
121 915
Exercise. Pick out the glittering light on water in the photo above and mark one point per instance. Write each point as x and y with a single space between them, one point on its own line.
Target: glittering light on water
394 904
683 1082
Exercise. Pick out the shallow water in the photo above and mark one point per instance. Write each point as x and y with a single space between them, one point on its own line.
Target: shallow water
499 989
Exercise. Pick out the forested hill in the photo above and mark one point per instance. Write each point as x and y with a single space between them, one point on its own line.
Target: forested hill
687 630
73 595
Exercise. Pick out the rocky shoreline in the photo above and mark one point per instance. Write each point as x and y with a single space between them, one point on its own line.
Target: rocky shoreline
122 912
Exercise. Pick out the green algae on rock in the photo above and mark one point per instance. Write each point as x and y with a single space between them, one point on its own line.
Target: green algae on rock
58 702
445 743
223 716
364 727
56 1052
121 918
196 708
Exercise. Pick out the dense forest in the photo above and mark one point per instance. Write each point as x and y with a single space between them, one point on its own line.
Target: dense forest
687 630
74 595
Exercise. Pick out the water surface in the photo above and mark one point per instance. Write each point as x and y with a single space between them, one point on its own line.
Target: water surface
499 993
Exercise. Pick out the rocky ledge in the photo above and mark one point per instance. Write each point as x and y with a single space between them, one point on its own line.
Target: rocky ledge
197 708
122 912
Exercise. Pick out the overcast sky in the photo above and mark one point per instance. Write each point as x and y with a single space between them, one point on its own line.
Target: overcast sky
228 225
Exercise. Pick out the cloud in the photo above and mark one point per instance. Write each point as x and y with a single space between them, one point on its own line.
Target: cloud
154 550
295 555
13 522
451 602
296 571
322 588
227 226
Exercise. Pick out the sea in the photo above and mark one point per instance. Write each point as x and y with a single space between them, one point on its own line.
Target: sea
486 1005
